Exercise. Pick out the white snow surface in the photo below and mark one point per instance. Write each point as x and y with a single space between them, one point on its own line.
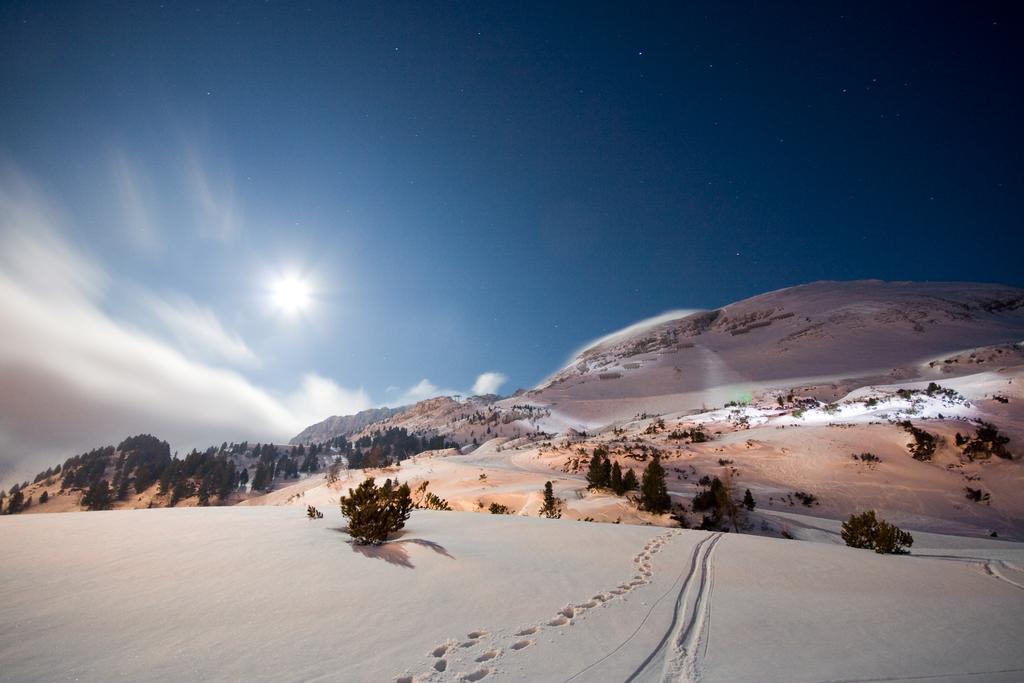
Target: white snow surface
263 594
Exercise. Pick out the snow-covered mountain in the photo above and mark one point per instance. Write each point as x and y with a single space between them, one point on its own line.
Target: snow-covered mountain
827 338
342 425
845 333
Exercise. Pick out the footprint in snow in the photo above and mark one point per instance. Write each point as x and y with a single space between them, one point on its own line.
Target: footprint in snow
490 654
520 644
440 665
528 631
558 621
476 675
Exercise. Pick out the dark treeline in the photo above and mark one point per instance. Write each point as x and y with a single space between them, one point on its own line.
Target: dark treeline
110 474
273 463
387 447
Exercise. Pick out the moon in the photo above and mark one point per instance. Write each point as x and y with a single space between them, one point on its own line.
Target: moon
290 294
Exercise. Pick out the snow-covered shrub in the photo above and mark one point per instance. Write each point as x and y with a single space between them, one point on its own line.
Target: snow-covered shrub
923 446
374 512
866 531
986 443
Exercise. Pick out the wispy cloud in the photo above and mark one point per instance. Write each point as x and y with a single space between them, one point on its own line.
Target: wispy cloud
213 198
488 383
73 376
423 390
320 397
134 202
197 329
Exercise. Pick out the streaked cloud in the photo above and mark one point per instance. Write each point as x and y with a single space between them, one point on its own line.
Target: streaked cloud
73 376
212 195
134 202
197 329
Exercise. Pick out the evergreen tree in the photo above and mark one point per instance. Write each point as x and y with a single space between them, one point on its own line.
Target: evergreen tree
552 508
99 496
616 480
227 480
629 482
204 491
595 472
122 488
859 531
43 497
373 512
15 502
259 479
653 492
866 531
891 540
606 473
748 499
182 489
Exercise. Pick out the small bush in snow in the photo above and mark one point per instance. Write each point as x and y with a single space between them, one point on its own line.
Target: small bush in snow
986 443
808 499
422 499
923 446
374 512
976 495
866 531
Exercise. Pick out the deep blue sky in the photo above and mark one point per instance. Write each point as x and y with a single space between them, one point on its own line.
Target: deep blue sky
485 186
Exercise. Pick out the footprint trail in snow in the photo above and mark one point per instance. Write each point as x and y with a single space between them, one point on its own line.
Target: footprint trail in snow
474 656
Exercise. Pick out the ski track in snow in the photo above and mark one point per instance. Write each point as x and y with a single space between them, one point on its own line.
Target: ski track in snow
465 652
990 567
677 650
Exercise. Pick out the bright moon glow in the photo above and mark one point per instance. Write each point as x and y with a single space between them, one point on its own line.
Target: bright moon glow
290 294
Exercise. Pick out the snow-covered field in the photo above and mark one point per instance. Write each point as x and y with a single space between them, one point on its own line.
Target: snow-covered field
263 594
793 391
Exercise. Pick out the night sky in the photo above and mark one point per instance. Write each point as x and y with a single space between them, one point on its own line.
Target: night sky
475 187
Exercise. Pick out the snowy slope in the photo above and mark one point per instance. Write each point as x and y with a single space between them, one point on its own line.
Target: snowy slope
851 332
262 594
836 335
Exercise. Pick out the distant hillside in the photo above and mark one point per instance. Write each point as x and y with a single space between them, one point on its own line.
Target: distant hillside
141 473
851 333
343 425
824 338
